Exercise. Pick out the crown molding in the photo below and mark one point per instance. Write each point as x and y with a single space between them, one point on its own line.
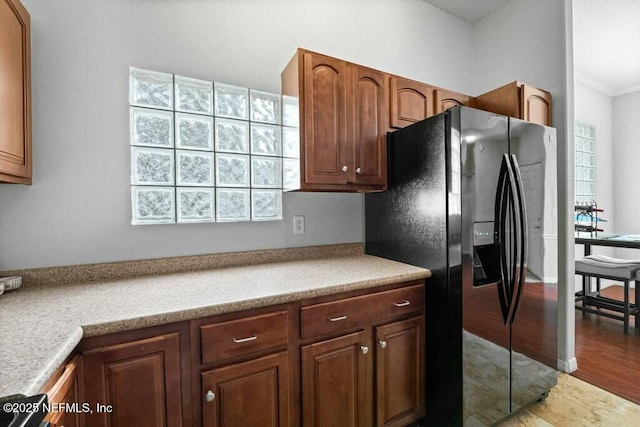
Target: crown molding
602 87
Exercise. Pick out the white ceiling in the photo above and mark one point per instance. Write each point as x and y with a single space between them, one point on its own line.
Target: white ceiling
470 10
606 44
606 39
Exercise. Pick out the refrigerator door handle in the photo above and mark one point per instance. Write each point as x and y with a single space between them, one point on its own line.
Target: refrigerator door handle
523 236
501 212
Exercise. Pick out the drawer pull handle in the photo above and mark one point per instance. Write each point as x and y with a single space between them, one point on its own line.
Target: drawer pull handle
337 319
241 340
402 304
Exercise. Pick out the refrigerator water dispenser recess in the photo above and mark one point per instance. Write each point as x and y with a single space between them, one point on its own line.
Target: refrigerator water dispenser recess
486 254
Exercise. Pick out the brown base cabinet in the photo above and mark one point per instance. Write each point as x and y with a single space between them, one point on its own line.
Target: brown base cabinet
65 389
138 383
253 393
337 382
400 353
352 359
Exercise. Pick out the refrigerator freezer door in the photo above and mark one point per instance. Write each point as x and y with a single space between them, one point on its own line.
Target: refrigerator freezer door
534 338
483 141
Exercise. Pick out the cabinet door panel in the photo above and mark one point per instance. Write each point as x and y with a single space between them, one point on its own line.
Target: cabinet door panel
15 93
446 99
400 372
369 123
536 105
410 102
337 382
324 120
254 393
135 375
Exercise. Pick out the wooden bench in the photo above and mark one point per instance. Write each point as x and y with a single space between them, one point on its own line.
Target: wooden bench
603 267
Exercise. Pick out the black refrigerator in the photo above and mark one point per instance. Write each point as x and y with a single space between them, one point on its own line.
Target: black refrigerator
472 196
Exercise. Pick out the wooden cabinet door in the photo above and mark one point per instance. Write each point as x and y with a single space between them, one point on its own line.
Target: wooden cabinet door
368 122
446 99
254 393
536 105
15 93
324 120
411 101
66 390
337 382
400 372
140 379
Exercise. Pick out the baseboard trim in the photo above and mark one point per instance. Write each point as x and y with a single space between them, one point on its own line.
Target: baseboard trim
568 366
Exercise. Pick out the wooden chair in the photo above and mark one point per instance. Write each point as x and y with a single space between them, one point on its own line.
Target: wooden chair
603 267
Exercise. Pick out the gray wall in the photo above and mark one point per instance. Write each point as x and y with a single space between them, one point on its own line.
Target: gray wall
626 173
78 210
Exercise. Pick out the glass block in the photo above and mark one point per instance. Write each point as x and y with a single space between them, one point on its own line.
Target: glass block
266 205
194 168
266 172
150 89
232 204
291 174
196 204
194 132
266 139
290 113
231 101
193 95
291 142
232 136
152 128
153 205
151 166
232 170
264 107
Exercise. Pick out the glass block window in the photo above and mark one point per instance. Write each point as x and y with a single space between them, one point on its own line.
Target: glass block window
205 151
585 162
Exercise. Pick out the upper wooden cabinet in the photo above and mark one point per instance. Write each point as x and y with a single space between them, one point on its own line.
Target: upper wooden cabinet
411 101
518 100
15 93
343 120
445 99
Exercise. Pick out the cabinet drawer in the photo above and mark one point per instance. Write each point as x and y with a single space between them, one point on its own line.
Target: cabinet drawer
346 313
237 337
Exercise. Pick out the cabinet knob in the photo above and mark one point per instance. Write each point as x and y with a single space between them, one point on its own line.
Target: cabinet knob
383 344
358 171
345 168
209 396
364 349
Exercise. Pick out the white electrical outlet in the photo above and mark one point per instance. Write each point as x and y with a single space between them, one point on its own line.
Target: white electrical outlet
298 224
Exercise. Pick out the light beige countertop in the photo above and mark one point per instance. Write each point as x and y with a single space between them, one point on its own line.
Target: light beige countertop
41 324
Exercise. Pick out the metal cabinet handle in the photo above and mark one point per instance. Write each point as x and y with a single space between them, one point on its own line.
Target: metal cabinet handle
209 396
364 349
337 319
241 340
402 304
383 344
358 171
345 168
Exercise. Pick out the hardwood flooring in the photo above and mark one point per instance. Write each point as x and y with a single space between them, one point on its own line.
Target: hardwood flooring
608 358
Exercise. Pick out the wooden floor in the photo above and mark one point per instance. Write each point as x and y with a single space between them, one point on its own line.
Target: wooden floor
607 358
